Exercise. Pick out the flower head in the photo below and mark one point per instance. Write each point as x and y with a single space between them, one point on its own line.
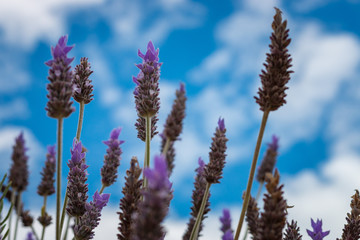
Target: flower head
82 84
226 225
292 231
30 236
317 233
268 163
46 187
60 87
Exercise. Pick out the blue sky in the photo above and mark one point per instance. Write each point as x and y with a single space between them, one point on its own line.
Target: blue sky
217 50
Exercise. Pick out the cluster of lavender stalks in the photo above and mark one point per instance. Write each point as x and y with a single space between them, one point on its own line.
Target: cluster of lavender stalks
148 191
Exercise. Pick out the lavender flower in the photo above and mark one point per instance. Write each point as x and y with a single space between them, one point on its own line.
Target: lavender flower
91 218
213 170
170 153
276 74
30 236
154 208
317 233
77 188
292 231
19 173
129 203
26 218
140 126
146 92
60 87
112 158
252 218
46 187
351 229
268 163
45 219
197 196
81 82
226 225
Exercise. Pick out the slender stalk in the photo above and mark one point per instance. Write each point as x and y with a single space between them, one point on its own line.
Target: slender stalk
13 204
166 147
34 232
195 230
43 211
147 147
102 189
58 177
252 173
67 227
18 209
63 213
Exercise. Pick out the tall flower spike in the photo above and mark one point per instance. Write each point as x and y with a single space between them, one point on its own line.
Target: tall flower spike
129 203
278 62
273 218
19 173
252 218
197 196
146 92
170 153
213 170
77 188
226 225
46 187
140 126
155 206
82 84
268 163
352 227
317 233
112 158
90 220
60 76
292 231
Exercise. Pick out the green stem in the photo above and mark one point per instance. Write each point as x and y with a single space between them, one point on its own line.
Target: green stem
10 216
63 213
102 189
43 212
58 177
67 227
166 147
252 173
195 230
18 209
34 232
147 147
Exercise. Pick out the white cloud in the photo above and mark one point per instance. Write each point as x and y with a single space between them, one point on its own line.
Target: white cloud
17 108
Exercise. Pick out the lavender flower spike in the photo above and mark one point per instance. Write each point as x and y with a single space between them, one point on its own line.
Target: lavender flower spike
268 163
317 233
154 208
112 158
30 236
19 173
60 87
77 188
226 225
90 220
213 170
82 84
46 187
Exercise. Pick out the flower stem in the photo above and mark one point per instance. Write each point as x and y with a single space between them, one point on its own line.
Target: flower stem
18 209
252 173
13 204
166 147
67 227
102 188
147 147
34 232
195 230
58 176
43 211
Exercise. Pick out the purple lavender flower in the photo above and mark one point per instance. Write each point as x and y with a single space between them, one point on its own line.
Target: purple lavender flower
81 82
77 188
226 225
146 92
228 235
112 158
317 233
46 187
30 236
154 208
213 170
60 87
268 163
19 173
91 218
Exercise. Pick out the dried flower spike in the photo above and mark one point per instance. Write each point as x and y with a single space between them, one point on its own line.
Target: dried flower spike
252 218
26 218
129 203
19 173
154 208
60 76
278 62
317 233
77 188
213 170
292 231
268 163
82 84
112 158
46 187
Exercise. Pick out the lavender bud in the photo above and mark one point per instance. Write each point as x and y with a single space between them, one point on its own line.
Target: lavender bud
46 187
155 206
19 173
226 225
45 219
268 163
60 87
278 62
112 158
77 188
252 218
292 231
141 126
82 84
129 203
26 218
352 227
197 196
213 170
91 218
30 236
317 233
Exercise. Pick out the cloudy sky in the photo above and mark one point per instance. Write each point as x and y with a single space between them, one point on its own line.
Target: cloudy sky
217 49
